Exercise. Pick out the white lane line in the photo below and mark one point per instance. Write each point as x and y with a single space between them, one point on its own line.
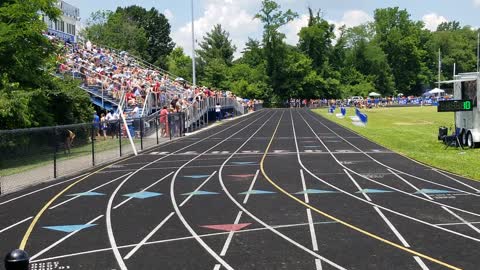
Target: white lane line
313 235
293 242
111 237
139 245
388 167
230 235
177 209
133 251
197 189
380 213
382 207
456 180
457 223
14 225
62 239
251 187
443 207
382 184
304 186
217 267
145 189
180 239
38 190
369 200
462 220
318 264
411 185
93 189
420 262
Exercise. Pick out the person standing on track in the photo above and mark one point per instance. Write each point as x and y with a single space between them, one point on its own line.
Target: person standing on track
164 121
218 111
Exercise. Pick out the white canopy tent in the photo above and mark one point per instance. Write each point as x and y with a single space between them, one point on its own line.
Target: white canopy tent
373 94
436 91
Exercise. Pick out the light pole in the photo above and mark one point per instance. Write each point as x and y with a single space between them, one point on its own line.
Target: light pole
193 48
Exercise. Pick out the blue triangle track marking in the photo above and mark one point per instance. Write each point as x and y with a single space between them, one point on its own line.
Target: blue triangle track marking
200 193
69 228
257 192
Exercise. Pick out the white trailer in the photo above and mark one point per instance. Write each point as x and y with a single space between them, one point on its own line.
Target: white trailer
467 87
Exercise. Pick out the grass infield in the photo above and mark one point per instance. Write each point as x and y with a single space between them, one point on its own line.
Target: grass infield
413 131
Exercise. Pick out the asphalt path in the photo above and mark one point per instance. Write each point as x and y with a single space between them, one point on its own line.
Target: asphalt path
278 189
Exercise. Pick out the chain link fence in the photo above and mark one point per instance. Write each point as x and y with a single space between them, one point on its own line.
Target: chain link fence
32 156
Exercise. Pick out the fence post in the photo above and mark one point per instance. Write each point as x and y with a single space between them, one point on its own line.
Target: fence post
156 129
93 144
55 154
141 133
119 125
170 126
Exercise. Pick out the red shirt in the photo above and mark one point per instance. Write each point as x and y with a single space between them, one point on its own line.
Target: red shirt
163 116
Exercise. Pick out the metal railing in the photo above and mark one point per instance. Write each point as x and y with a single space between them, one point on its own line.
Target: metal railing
36 155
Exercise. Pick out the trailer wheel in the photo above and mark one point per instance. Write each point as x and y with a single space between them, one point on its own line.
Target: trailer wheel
463 137
470 142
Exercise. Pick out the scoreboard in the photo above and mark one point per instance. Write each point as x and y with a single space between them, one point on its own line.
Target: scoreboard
456 105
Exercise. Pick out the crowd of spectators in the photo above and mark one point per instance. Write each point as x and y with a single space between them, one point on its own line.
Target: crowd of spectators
125 79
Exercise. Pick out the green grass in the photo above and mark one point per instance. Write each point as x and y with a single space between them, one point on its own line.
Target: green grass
28 163
413 132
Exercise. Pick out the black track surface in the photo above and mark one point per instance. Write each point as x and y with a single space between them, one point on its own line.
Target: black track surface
275 231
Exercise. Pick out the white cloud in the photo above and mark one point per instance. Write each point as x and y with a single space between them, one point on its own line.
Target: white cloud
168 14
476 3
432 20
351 18
292 29
232 15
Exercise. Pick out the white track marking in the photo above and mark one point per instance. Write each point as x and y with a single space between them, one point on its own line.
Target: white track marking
230 235
177 209
145 189
443 207
313 235
457 223
179 239
385 185
62 239
386 166
217 267
251 187
411 185
38 190
16 224
456 180
139 245
110 234
420 262
380 213
134 250
379 206
318 264
93 189
197 189
300 246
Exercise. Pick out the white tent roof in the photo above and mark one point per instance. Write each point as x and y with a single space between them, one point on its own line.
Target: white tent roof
436 91
373 94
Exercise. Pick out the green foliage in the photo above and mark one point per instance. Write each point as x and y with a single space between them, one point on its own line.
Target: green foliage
29 95
133 29
180 64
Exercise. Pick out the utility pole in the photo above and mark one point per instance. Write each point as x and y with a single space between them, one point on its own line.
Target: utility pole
439 66
193 47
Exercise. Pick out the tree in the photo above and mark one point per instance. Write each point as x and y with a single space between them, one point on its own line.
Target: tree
157 30
180 64
315 40
400 39
252 53
216 45
133 29
275 50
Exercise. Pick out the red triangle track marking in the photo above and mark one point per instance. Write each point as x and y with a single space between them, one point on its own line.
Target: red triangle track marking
242 175
227 227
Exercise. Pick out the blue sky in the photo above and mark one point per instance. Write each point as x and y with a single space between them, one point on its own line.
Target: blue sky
236 16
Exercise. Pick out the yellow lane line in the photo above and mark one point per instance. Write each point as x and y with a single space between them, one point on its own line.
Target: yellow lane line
353 227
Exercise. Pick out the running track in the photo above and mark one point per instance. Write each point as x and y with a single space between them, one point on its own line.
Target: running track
278 189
